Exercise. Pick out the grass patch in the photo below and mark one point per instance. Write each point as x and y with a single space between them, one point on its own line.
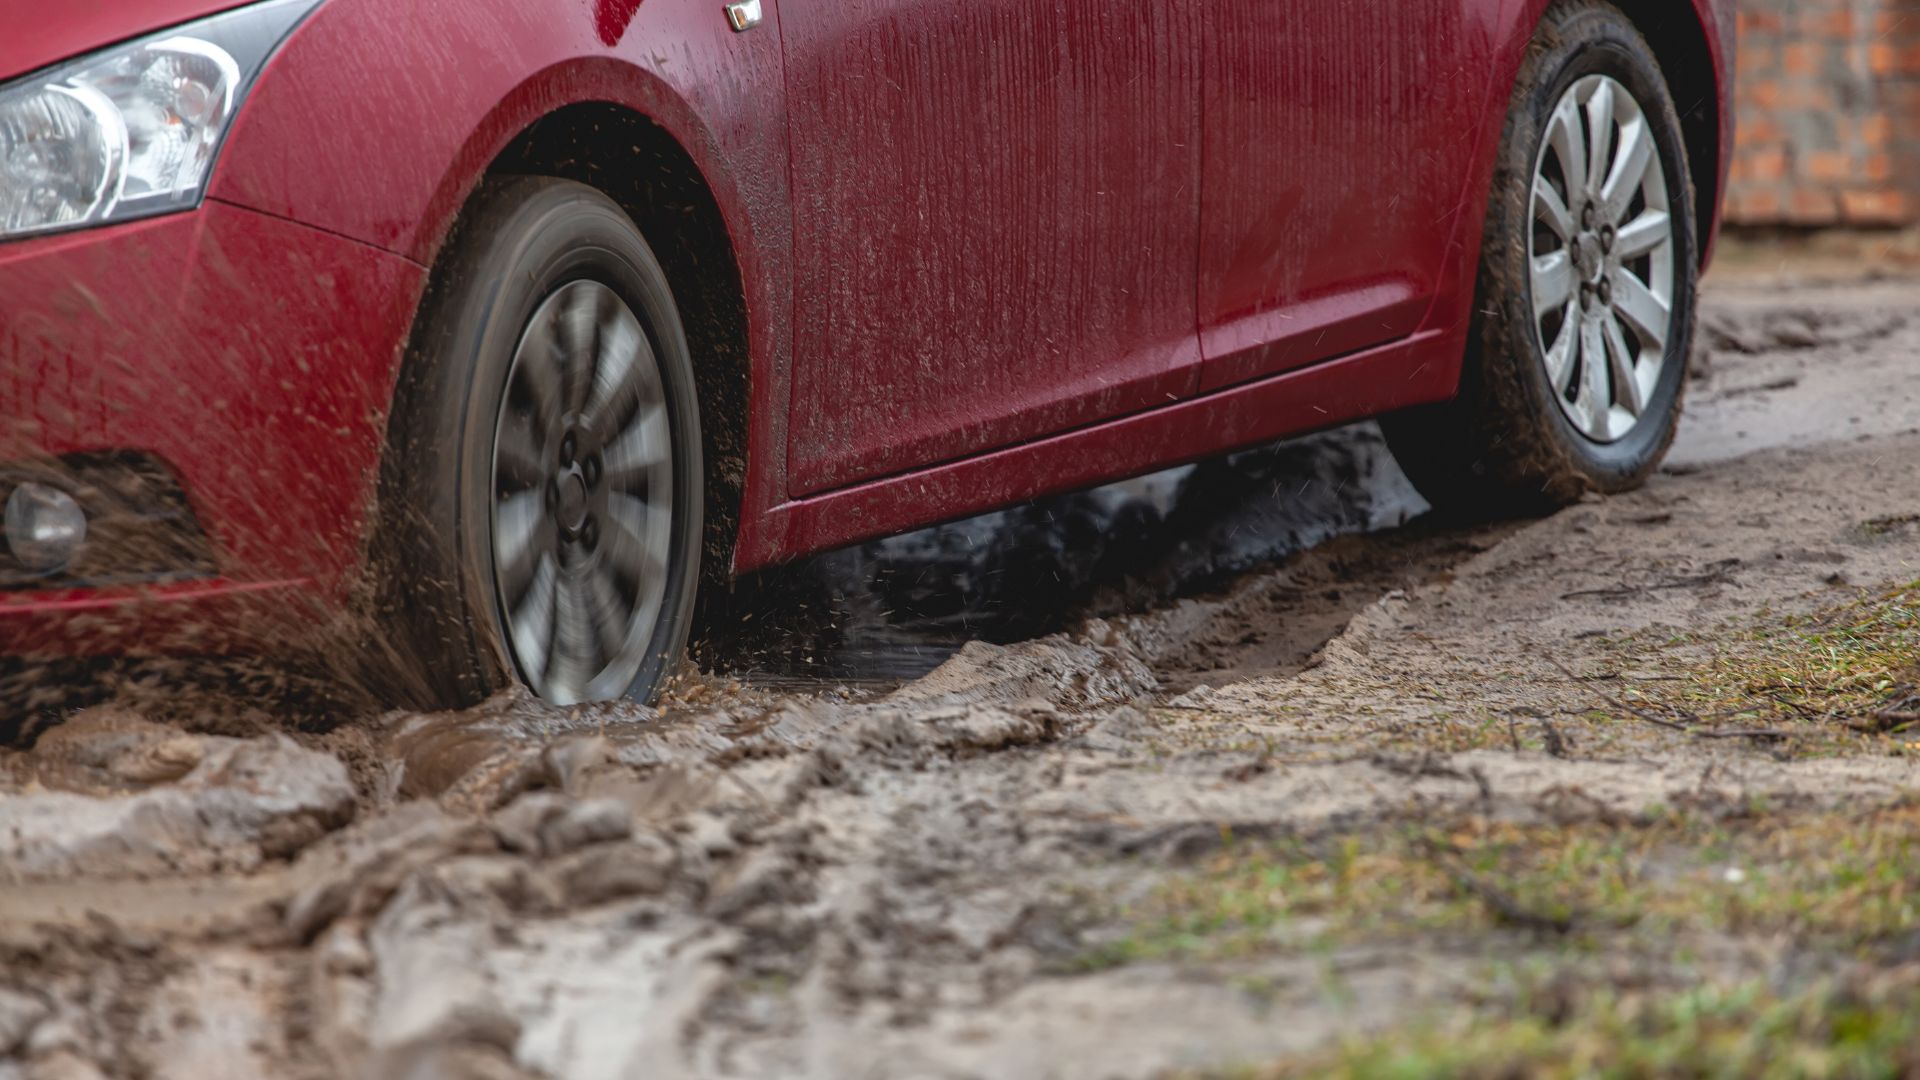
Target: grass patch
1851 668
1847 882
1740 1031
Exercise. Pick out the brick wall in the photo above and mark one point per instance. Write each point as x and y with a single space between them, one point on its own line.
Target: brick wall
1828 100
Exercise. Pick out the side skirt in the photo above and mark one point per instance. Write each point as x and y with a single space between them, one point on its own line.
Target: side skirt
1414 371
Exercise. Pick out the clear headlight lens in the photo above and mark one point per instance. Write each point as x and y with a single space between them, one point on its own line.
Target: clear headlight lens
132 130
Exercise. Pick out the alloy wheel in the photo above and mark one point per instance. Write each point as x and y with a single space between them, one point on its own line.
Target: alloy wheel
1601 258
582 497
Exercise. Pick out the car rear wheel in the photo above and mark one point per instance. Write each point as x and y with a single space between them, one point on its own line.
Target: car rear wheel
1576 358
543 487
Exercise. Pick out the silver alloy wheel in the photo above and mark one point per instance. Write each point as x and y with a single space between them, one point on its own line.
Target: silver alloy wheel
582 497
1601 258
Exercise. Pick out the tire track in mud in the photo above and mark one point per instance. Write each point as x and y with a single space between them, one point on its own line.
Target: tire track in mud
843 884
717 824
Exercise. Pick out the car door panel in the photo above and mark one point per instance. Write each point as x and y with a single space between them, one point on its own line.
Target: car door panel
1339 141
996 207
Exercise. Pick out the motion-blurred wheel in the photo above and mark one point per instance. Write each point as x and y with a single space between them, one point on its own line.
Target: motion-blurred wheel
546 467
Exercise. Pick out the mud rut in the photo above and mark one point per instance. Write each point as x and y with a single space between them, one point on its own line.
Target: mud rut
890 873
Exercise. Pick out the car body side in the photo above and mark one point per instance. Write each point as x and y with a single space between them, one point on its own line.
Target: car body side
279 313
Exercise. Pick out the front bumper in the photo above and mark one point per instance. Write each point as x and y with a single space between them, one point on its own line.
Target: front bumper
254 357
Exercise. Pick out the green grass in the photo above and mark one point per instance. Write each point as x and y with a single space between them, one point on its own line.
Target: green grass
1845 882
1851 668
1740 1031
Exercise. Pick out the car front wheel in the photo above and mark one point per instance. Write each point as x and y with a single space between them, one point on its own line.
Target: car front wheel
542 499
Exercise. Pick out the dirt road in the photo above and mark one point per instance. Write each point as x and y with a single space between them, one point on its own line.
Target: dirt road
1630 785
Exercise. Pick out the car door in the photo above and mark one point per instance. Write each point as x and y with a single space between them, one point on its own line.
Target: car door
996 207
1339 138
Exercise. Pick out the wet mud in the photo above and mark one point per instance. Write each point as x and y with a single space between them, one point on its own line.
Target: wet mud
897 822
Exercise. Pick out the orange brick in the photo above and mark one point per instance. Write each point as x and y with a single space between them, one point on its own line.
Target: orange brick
1756 130
1837 25
1877 168
1815 98
1812 206
1876 207
1801 59
1769 164
1876 130
1754 206
1756 60
1827 166
1882 58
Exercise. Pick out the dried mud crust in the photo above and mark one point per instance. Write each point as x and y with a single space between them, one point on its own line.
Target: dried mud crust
1429 770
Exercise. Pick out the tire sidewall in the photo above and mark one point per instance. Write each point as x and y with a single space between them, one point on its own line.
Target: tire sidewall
1595 41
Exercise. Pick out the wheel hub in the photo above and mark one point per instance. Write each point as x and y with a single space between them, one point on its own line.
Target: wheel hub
1589 257
1601 259
570 503
583 497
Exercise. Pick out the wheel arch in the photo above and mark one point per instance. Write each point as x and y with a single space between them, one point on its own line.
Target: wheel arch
1685 39
1693 44
632 158
639 164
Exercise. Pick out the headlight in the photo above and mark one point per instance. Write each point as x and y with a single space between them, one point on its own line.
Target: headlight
131 131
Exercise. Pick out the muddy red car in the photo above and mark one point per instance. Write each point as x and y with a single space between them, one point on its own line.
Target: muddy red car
501 327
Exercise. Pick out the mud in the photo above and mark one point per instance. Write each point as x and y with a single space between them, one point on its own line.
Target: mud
887 845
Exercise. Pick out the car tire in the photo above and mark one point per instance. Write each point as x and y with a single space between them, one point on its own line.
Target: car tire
1517 438
543 288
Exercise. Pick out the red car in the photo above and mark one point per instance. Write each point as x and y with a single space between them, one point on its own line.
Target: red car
495 327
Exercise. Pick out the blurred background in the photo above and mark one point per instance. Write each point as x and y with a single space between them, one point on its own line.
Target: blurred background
1827 96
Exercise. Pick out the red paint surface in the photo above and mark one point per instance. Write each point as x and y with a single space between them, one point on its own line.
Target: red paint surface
253 355
1340 143
35 37
989 248
1421 369
996 205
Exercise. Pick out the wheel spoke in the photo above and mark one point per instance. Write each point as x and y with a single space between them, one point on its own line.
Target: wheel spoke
521 538
643 447
1643 235
1549 208
1626 381
606 609
578 332
537 371
1552 281
629 554
1564 136
1599 134
1643 311
1560 355
518 464
531 622
1593 380
624 380
575 647
1629 169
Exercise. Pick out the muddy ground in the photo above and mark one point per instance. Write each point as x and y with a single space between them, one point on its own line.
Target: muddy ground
1244 770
